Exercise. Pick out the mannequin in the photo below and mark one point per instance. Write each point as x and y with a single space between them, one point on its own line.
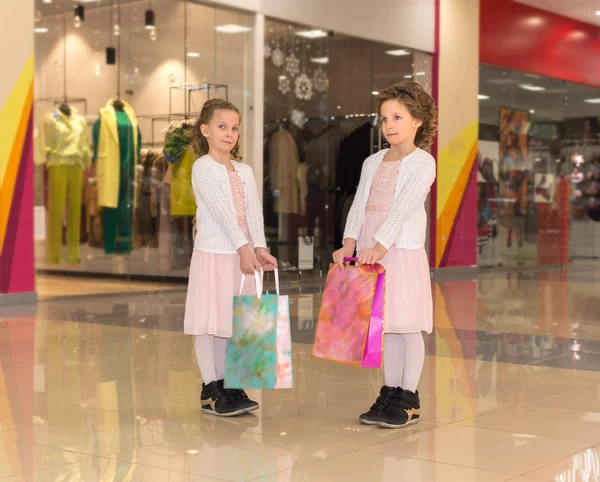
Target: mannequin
63 145
117 143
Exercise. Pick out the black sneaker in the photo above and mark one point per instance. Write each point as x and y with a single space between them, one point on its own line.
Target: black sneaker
241 397
376 413
216 401
404 409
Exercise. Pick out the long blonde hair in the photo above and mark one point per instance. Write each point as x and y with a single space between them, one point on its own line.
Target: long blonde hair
198 141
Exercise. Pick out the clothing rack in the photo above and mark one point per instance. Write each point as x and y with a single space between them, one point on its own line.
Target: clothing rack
190 89
168 118
67 100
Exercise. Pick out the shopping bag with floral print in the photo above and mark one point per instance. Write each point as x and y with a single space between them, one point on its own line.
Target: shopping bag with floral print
259 353
350 324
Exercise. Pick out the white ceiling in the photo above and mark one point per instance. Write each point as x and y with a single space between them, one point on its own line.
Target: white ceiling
583 10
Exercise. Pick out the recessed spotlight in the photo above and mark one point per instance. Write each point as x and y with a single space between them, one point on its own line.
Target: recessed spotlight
232 28
317 33
419 74
532 111
375 92
320 60
149 20
193 54
598 13
409 76
398 52
532 88
483 97
592 101
40 30
47 1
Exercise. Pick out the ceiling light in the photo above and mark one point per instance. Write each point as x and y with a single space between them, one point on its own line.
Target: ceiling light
150 20
317 33
40 30
47 1
598 13
232 28
419 74
409 76
193 54
375 92
532 111
483 97
532 88
592 101
79 11
320 60
533 76
398 52
534 21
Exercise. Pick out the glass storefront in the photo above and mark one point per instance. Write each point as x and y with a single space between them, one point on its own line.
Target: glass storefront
320 125
538 170
117 85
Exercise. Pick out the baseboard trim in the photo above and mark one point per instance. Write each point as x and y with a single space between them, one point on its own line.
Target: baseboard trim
13 299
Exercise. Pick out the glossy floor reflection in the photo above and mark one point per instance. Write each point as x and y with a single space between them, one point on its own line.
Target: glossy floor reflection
106 388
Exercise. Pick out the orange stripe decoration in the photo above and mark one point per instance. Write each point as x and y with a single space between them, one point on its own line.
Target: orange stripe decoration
455 164
8 185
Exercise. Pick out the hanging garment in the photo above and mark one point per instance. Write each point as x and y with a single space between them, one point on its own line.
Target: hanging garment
117 141
183 201
283 163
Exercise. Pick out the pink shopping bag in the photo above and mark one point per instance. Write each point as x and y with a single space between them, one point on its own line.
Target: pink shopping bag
350 324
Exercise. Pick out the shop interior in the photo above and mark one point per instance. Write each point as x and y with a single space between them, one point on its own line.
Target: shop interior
320 125
538 170
118 85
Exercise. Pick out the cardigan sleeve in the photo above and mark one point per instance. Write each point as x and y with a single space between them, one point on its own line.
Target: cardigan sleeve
356 216
254 215
207 187
410 197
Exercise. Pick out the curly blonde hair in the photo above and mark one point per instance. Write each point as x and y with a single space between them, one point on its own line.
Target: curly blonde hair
421 106
198 141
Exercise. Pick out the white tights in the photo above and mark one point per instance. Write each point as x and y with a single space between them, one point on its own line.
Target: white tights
210 352
403 358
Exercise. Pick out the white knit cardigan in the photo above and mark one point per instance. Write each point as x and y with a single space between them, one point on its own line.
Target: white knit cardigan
406 224
218 230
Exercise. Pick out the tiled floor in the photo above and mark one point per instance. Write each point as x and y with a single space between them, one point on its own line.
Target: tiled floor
106 388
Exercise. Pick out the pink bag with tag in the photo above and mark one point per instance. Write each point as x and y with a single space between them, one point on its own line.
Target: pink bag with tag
350 325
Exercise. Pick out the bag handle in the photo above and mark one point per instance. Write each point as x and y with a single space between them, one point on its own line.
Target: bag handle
258 283
350 260
277 281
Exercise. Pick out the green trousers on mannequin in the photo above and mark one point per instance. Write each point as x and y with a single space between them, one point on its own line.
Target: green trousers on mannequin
64 189
118 222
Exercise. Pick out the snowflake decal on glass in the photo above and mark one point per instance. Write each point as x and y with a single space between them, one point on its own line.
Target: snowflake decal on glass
278 57
304 87
268 51
292 65
284 84
320 80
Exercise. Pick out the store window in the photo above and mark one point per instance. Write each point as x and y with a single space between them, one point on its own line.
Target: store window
117 85
320 125
538 170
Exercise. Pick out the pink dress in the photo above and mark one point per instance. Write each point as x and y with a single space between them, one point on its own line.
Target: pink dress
408 303
215 279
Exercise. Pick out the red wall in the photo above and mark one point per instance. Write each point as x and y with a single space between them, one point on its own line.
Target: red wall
519 37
